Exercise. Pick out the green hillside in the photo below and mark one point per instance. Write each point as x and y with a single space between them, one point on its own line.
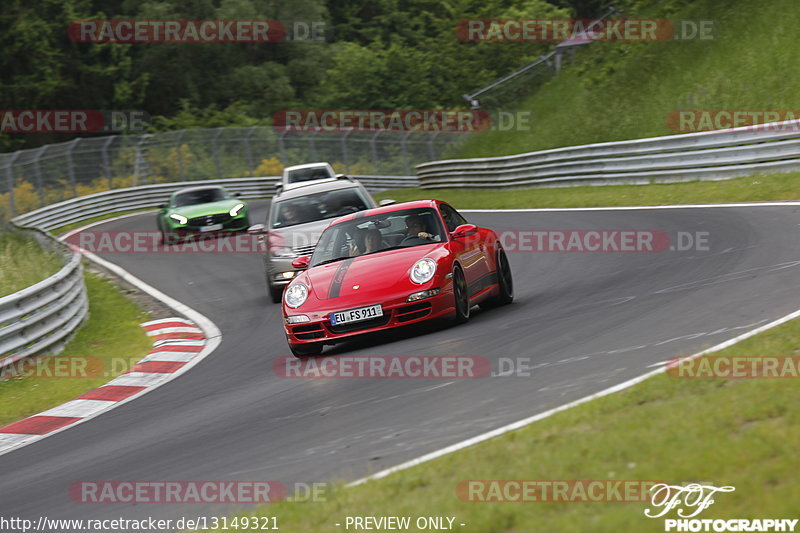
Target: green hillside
617 91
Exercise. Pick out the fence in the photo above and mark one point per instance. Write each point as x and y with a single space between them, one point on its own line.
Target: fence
707 155
42 316
524 81
37 177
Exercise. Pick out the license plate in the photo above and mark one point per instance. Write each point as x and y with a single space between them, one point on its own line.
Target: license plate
213 227
356 315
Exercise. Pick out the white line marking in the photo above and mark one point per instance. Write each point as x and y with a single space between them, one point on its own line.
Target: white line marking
631 208
546 414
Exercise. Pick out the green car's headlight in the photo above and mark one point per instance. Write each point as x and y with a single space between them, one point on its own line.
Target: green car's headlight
179 218
235 211
423 270
295 295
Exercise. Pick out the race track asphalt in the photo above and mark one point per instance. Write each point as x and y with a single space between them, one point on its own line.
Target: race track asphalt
584 321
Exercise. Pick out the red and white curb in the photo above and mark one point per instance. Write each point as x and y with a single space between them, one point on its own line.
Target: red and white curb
178 343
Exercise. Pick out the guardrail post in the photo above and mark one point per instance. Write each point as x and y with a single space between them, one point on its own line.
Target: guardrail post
215 147
38 173
312 146
12 206
71 166
282 146
345 158
140 164
248 153
405 152
431 152
181 168
374 150
107 162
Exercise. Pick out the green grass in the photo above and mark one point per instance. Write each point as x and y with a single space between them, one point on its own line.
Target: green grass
109 341
617 91
755 188
23 262
742 433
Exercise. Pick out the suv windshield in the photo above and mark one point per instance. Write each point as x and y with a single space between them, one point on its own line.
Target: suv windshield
378 233
201 196
320 206
308 174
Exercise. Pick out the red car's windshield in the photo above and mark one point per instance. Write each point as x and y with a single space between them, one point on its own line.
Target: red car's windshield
378 233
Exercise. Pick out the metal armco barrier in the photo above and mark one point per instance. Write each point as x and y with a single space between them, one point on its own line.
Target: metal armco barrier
42 316
710 155
150 196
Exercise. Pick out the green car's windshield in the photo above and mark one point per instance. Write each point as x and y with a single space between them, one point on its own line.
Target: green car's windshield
199 196
379 233
320 206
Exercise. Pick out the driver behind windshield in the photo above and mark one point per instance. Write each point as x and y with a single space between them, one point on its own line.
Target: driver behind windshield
415 228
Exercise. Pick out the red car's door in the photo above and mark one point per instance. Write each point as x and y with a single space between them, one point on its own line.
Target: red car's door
471 251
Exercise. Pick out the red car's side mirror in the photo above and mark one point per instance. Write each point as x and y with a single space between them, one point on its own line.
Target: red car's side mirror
464 230
301 263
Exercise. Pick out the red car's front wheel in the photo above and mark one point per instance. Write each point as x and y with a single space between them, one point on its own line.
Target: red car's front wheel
461 296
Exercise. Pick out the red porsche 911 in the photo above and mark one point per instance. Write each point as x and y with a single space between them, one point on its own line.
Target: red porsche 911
393 266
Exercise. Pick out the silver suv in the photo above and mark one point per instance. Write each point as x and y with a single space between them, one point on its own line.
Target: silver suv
296 220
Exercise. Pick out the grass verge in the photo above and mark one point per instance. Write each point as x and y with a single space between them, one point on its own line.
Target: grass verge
724 432
23 262
756 188
105 346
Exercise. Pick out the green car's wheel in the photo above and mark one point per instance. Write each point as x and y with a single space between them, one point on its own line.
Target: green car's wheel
168 237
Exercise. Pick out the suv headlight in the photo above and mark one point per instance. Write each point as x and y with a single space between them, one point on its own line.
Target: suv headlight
295 295
423 270
179 218
283 252
235 211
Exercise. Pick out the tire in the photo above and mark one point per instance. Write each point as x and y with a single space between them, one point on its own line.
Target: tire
306 350
275 293
168 237
505 282
461 296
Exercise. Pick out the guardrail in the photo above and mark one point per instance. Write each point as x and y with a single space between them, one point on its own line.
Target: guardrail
150 196
42 316
710 155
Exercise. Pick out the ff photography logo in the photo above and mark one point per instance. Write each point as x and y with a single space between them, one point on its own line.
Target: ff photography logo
692 499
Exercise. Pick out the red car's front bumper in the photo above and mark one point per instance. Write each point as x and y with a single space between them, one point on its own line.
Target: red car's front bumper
396 312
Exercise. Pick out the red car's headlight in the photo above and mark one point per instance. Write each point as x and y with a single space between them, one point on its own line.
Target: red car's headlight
423 270
295 295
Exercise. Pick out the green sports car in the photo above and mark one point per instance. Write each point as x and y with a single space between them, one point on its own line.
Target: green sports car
201 210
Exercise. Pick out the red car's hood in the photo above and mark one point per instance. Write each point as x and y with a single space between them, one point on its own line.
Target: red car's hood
375 273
